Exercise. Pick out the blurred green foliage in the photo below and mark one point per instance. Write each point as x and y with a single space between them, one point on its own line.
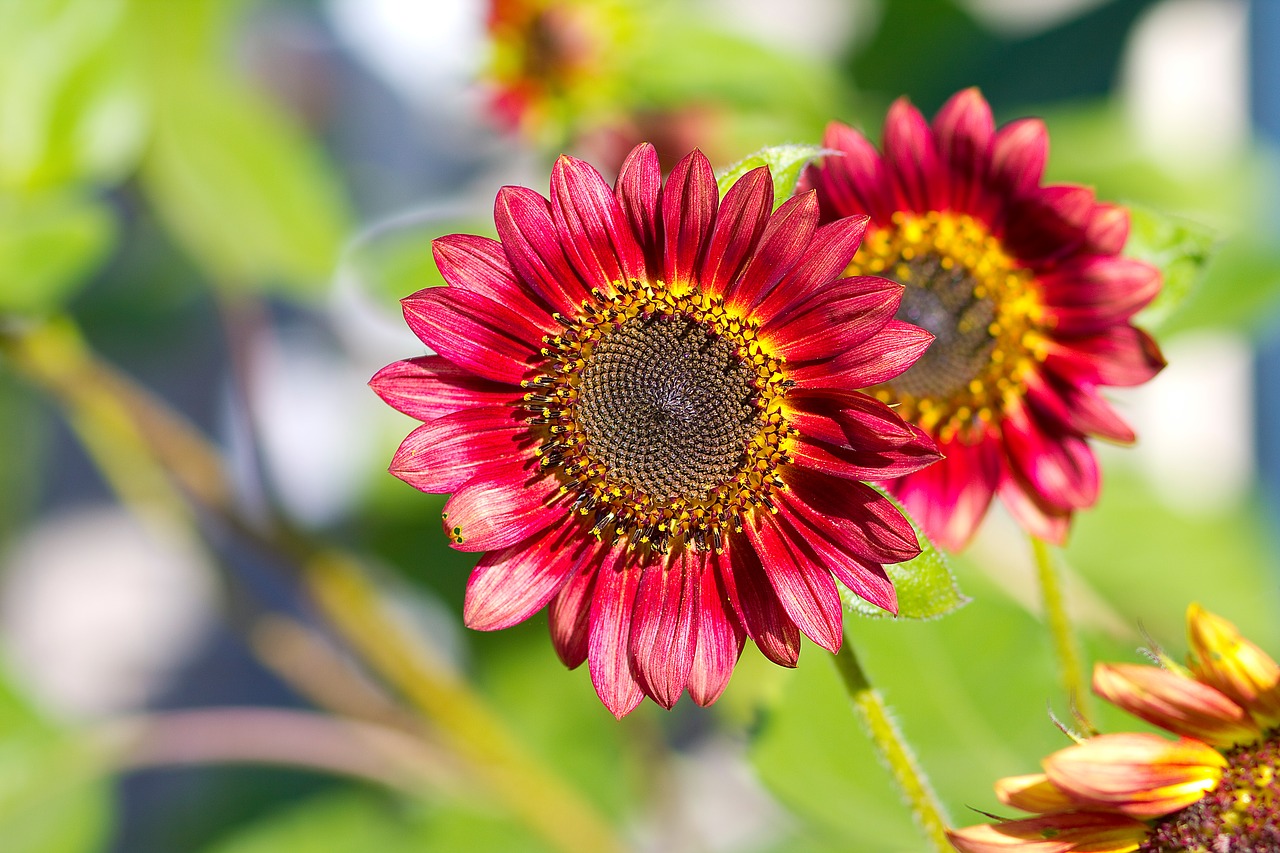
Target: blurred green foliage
53 797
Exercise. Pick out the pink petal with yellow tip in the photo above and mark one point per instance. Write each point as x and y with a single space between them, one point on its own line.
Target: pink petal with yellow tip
1229 662
1175 702
1141 775
1033 793
1075 832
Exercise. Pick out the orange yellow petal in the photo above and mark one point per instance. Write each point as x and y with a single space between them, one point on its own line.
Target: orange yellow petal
1226 660
1075 832
1141 775
1175 702
1033 793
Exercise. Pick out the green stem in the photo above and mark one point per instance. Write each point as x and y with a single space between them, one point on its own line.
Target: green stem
156 460
892 748
1054 602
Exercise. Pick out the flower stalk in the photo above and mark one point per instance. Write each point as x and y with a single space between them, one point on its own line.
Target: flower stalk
1065 648
891 746
153 459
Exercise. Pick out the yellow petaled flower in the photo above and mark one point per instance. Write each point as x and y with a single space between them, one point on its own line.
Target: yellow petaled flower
1214 790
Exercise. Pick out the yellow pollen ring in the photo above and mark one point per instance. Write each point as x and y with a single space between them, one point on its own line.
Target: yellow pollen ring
960 242
617 506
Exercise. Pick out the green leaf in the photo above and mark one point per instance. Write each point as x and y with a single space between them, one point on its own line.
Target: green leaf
52 797
48 245
1179 248
785 163
926 586
237 181
72 104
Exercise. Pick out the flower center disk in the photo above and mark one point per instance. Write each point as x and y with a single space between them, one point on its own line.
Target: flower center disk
662 411
1240 815
667 407
982 308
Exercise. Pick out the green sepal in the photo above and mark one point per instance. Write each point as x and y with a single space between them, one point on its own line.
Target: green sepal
926 586
1180 248
785 163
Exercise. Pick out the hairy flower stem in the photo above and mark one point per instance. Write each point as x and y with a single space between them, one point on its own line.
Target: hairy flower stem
154 458
892 748
1070 668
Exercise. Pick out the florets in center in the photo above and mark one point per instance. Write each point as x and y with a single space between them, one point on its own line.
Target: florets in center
662 411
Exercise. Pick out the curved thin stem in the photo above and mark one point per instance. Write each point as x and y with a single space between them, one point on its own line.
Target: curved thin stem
1065 649
892 748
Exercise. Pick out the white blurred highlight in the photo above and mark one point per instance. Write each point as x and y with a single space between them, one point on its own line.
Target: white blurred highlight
1020 18
420 49
97 610
314 415
1195 423
1184 82
824 27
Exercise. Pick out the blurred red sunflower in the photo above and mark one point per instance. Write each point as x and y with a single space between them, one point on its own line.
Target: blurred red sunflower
552 62
640 403
1212 791
1028 296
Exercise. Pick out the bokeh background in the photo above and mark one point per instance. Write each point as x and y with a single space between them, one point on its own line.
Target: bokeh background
224 200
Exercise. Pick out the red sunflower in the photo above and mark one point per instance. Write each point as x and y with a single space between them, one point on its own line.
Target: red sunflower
640 404
1028 296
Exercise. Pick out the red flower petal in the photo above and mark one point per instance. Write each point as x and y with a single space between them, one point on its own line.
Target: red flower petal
1122 355
442 454
831 440
912 156
965 133
851 418
689 203
865 520
820 265
429 387
569 614
720 637
1018 156
806 590
1048 224
511 584
664 626
1076 408
882 357
1059 466
592 228
500 509
609 652
1107 230
858 182
744 212
789 230
866 579
479 264
757 606
529 237
1090 294
950 498
639 193
1040 521
474 332
845 314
